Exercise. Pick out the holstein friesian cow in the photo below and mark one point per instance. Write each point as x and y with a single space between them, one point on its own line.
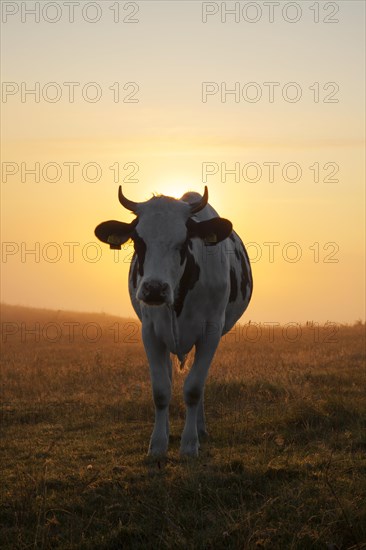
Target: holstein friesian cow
189 282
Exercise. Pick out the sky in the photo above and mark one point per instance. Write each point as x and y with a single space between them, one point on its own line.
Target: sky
265 106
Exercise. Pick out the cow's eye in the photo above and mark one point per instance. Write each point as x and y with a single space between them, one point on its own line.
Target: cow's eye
140 249
183 251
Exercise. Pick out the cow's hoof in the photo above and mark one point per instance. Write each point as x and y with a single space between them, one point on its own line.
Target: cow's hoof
158 447
189 449
202 433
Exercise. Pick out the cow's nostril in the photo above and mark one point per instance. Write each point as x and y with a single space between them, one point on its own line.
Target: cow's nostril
155 286
154 292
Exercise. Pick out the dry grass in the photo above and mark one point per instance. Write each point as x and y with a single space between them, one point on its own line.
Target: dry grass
284 466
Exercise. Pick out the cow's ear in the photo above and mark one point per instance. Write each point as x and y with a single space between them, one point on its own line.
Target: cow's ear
211 231
115 233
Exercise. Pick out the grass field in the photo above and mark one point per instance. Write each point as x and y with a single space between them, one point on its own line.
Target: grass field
284 466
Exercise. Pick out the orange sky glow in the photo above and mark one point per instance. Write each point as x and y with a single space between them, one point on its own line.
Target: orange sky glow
288 174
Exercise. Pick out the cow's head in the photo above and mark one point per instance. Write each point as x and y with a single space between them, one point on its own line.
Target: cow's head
161 233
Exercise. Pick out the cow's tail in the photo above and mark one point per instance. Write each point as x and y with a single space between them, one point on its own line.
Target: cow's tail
183 362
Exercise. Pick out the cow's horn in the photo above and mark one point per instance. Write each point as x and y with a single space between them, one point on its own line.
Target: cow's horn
198 205
130 205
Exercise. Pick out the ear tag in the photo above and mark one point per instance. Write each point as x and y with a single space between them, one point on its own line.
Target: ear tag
114 242
211 239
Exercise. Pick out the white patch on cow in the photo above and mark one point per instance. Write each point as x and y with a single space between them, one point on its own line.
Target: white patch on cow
162 226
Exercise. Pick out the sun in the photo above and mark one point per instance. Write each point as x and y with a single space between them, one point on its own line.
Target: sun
175 188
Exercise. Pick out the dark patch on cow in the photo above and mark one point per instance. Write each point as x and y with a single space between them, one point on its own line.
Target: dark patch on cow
234 240
233 285
134 271
188 280
246 278
183 251
140 249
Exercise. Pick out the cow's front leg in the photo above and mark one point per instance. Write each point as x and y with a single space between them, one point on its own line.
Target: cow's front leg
201 421
158 357
193 395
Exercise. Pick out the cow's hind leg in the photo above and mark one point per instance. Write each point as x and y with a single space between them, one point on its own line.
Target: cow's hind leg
193 394
160 372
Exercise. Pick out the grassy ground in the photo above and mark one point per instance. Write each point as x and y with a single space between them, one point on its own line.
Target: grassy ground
284 467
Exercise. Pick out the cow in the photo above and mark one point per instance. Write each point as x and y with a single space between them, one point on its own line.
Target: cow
189 282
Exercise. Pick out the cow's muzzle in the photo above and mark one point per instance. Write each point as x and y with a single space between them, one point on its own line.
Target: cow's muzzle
154 293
